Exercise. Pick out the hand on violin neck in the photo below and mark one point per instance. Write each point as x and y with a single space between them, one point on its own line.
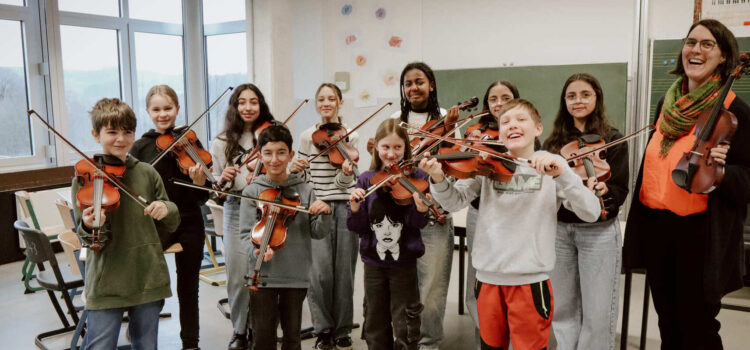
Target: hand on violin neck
319 207
229 173
197 174
348 168
548 164
451 116
88 217
298 165
595 185
433 168
267 256
157 210
421 206
356 199
719 154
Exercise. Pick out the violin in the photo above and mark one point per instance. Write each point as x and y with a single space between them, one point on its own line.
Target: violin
185 145
271 227
697 172
481 163
400 182
485 129
98 192
438 127
328 134
187 150
593 165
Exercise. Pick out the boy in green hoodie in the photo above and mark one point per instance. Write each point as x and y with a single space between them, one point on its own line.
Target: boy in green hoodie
285 273
129 273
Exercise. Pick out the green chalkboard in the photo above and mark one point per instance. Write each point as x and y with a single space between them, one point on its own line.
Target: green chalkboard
541 85
664 59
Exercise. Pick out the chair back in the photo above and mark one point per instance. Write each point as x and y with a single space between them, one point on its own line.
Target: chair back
217 215
70 243
66 214
38 247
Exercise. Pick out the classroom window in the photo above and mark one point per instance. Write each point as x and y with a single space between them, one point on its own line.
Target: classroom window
226 60
221 11
15 132
12 2
158 59
169 11
91 71
93 7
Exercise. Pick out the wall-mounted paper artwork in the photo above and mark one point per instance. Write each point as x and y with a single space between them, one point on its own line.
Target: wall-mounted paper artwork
347 9
361 60
395 41
380 13
390 78
350 39
365 99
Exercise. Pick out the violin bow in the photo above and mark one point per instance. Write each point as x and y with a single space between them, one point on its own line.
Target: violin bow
615 142
254 153
184 132
331 146
117 182
209 189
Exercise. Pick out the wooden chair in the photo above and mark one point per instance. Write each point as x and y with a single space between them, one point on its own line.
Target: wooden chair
214 221
55 279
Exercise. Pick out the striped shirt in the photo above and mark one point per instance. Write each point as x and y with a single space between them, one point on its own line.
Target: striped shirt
328 182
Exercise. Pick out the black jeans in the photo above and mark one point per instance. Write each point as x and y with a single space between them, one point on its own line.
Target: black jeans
268 306
188 262
397 290
674 263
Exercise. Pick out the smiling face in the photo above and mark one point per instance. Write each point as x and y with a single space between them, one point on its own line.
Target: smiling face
497 97
700 63
390 149
417 88
248 106
163 112
275 157
116 142
580 100
387 232
327 103
518 130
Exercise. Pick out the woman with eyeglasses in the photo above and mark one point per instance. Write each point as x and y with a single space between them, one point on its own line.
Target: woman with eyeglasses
587 270
691 244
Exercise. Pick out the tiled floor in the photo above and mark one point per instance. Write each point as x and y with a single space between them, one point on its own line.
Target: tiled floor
23 316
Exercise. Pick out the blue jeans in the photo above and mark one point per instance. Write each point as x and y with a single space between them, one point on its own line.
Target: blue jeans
434 273
236 249
585 280
103 326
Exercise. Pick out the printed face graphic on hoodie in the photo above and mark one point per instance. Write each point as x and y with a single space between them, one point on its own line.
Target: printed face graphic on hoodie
387 232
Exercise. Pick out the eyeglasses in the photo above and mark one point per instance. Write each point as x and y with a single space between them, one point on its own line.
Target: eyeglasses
584 96
706 45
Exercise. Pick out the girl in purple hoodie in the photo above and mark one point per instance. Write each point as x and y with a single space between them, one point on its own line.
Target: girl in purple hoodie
390 243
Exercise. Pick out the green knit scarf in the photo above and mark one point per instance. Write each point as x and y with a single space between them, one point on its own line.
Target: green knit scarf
680 112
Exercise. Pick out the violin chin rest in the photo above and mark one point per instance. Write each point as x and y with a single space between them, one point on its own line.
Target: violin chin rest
290 193
680 178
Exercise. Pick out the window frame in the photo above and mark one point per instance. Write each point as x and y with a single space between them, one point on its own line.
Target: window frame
35 85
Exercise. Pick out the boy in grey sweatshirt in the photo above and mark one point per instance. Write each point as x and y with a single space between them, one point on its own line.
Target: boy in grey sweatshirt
514 244
284 273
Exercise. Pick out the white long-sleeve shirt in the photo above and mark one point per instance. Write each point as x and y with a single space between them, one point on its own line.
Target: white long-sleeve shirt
219 159
514 242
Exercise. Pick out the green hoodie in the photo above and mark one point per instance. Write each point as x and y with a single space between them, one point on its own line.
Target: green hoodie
130 269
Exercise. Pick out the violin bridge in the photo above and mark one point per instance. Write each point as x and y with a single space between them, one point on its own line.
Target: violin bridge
697 153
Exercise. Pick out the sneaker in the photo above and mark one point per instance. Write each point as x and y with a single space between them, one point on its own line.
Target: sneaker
325 341
238 342
344 342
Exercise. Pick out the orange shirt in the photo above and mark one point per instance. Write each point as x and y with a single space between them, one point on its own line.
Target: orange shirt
658 190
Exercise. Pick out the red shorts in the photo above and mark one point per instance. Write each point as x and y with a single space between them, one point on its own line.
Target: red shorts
521 313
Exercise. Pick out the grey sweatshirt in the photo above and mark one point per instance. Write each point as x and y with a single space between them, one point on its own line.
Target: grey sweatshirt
514 242
290 266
